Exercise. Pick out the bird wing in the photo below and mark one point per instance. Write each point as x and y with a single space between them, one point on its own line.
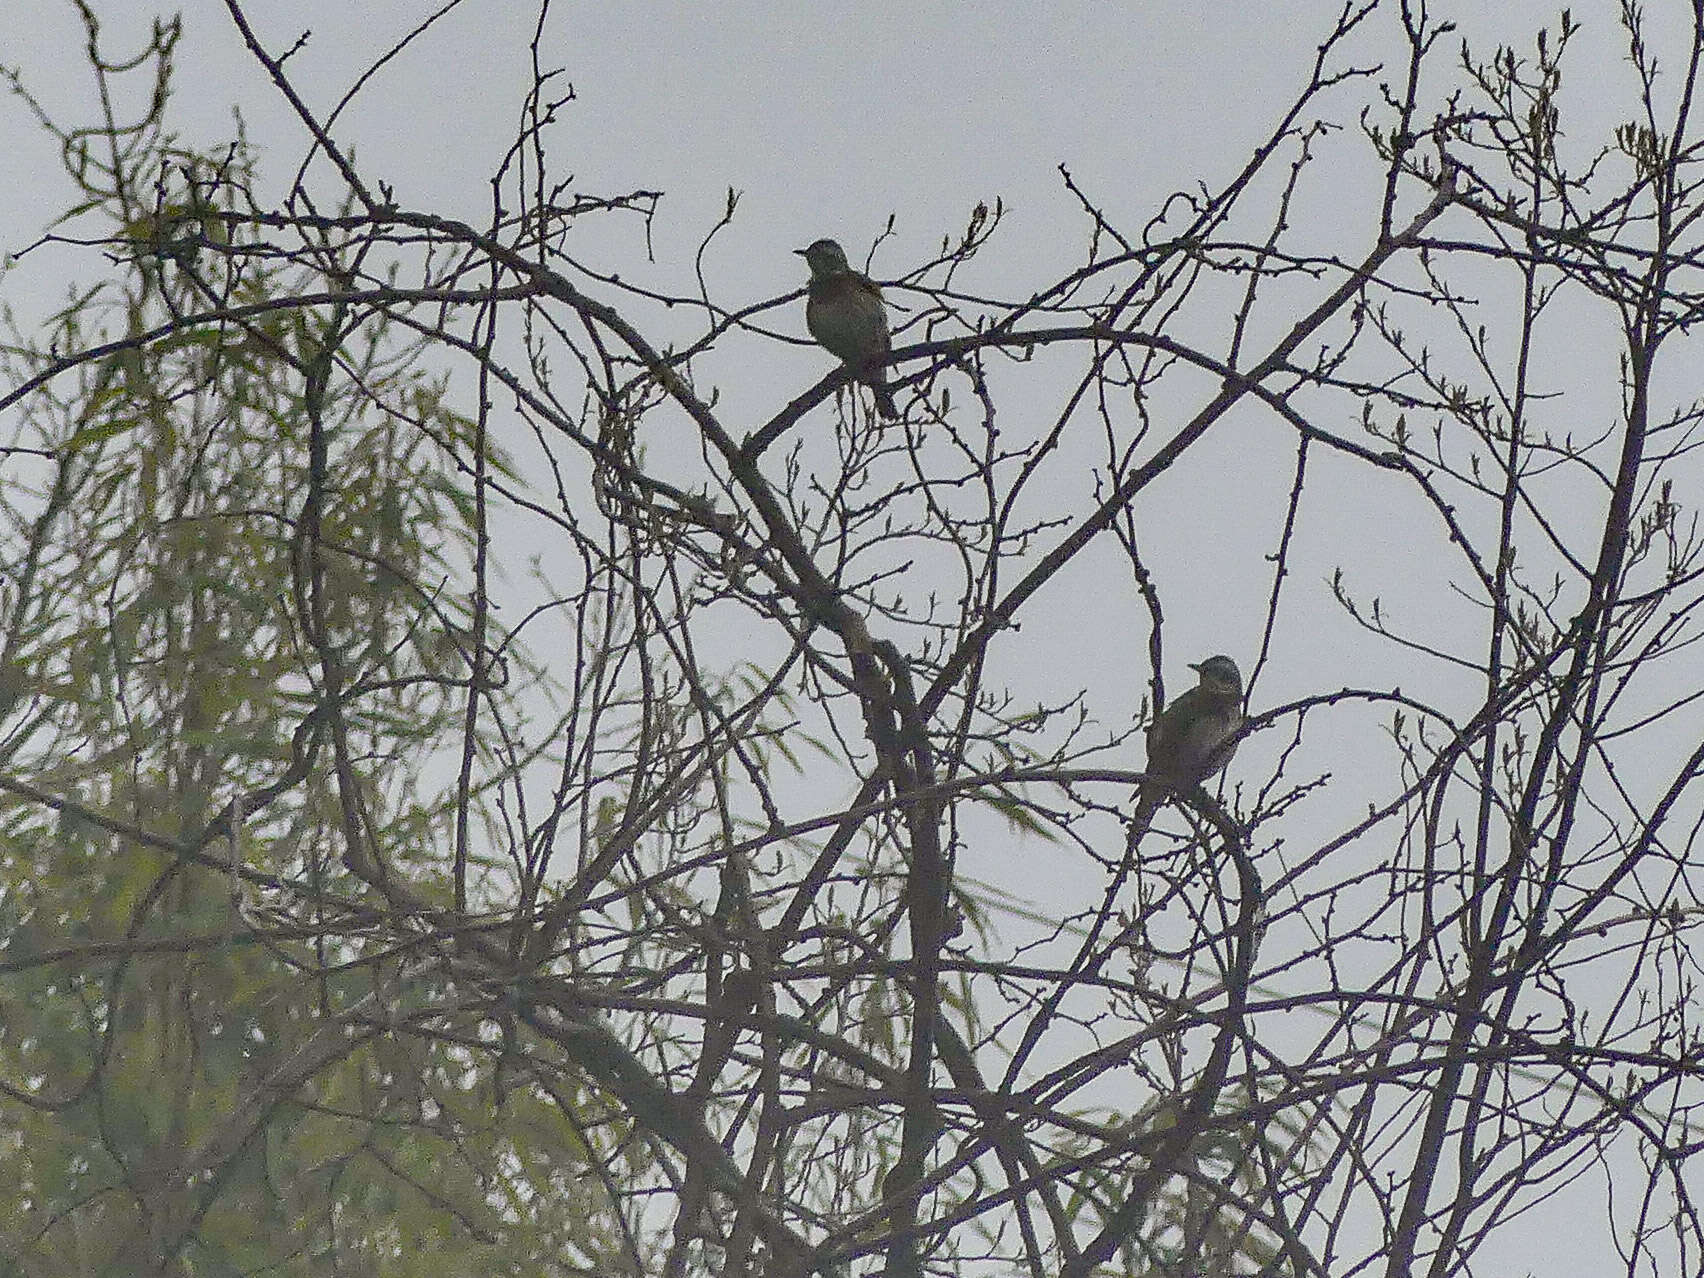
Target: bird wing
1167 736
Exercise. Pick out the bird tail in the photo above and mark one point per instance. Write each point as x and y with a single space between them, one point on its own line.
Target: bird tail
1148 800
884 399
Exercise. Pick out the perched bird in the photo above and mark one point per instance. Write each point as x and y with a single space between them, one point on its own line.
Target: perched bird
1192 739
845 314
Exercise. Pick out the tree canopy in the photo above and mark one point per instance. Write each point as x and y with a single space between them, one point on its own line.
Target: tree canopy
476 799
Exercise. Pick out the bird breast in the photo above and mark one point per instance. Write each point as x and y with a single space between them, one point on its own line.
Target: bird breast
849 324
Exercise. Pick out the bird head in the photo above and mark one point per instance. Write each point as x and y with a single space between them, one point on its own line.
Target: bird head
825 257
1220 675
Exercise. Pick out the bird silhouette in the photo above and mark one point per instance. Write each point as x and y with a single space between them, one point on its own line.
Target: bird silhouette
845 313
1192 739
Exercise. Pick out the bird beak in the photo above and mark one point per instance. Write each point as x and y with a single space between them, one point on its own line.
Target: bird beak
801 252
1196 666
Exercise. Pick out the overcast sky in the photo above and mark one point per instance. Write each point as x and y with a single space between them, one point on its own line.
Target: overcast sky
829 120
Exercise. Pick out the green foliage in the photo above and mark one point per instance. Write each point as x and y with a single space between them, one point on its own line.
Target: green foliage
157 1117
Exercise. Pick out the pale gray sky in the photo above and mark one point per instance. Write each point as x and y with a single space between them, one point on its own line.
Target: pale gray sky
830 119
